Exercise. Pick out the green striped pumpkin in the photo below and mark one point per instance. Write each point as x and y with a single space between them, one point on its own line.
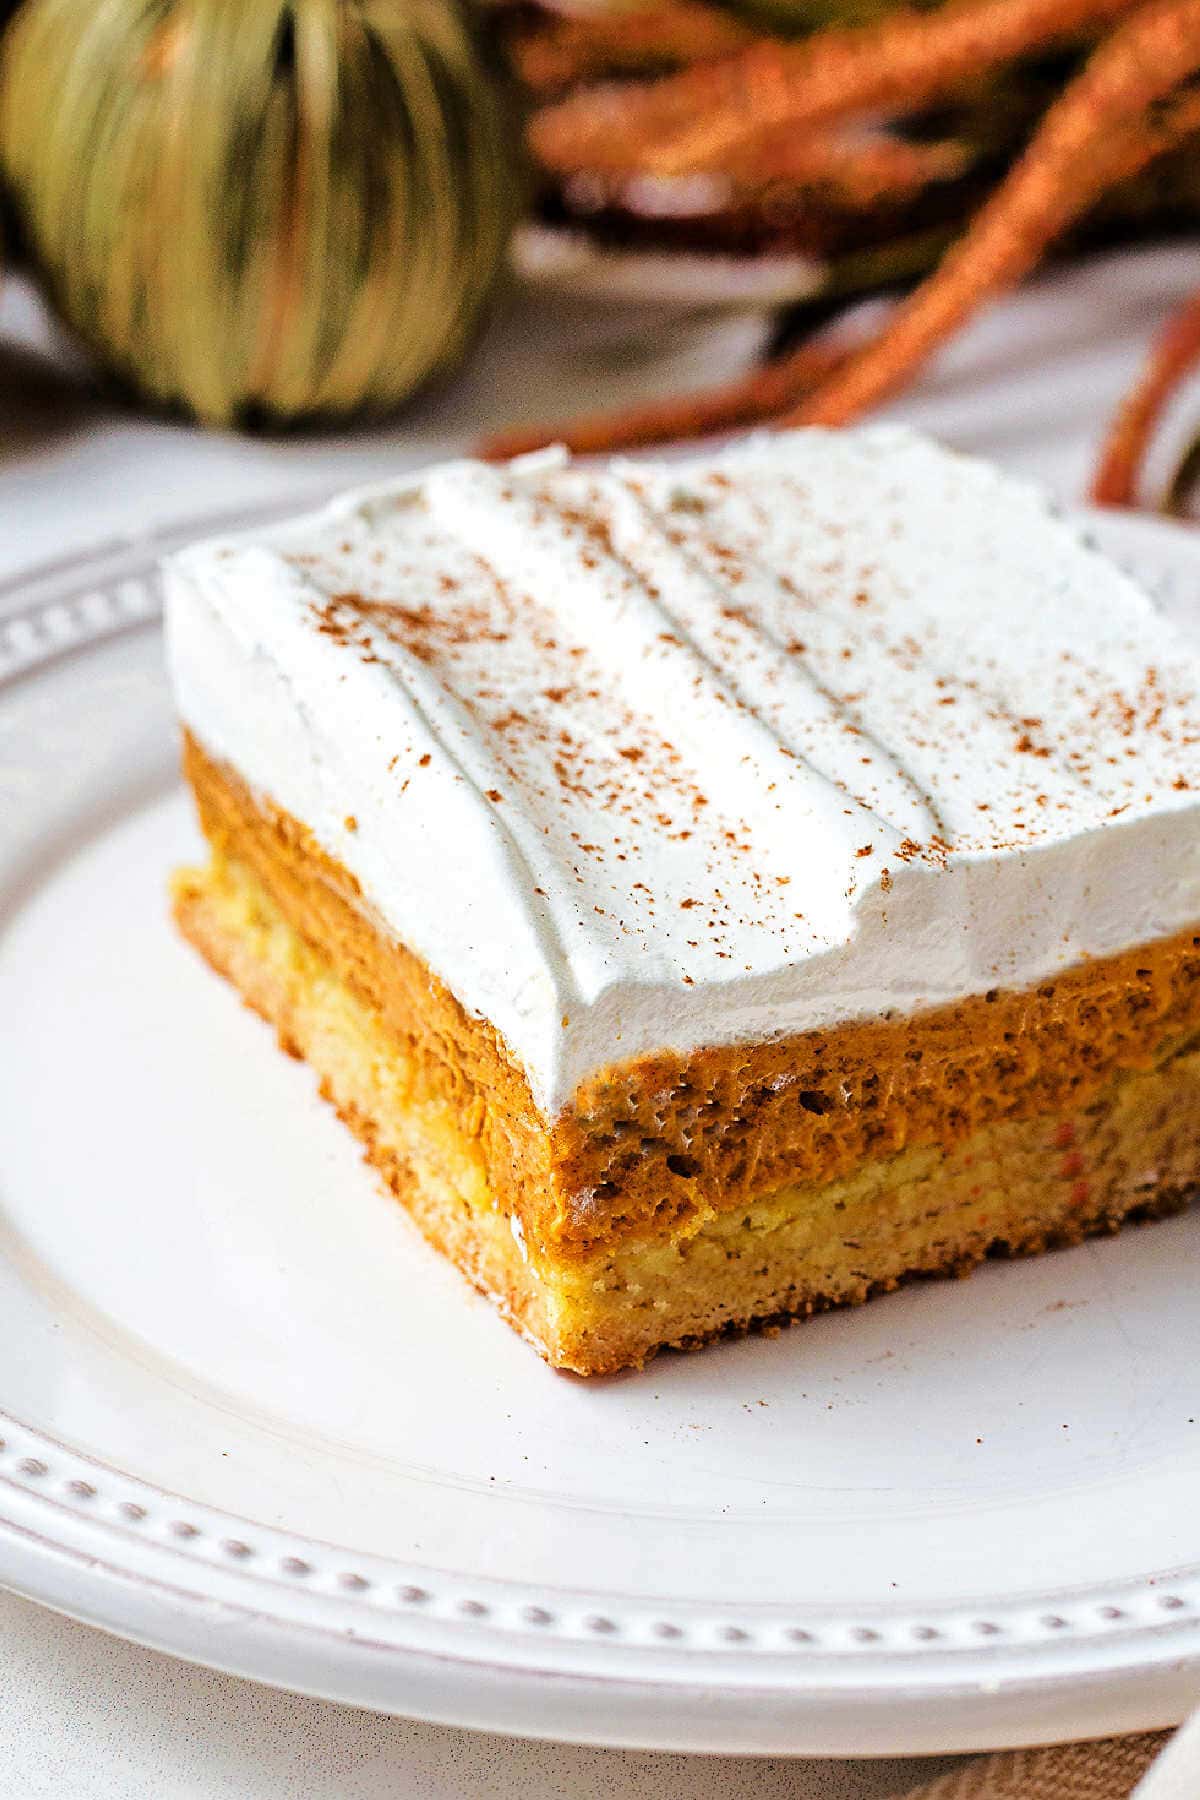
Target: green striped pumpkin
260 210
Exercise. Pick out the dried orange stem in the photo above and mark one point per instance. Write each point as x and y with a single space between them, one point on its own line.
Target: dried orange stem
735 405
1175 351
692 121
1094 134
855 172
554 53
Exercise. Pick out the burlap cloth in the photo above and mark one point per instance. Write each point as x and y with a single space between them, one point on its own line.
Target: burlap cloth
1153 1766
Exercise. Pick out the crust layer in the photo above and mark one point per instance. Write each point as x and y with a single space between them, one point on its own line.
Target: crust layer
1132 1147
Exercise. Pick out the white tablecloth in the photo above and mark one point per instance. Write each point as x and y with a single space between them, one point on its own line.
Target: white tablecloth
85 1717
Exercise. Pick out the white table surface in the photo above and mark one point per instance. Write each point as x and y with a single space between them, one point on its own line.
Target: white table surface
83 1716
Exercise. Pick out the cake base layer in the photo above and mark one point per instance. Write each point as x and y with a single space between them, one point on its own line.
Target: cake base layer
1012 1187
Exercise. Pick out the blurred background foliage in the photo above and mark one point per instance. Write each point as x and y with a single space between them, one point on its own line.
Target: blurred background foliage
263 212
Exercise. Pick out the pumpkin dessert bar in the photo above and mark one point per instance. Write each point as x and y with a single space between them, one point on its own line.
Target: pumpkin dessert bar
715 890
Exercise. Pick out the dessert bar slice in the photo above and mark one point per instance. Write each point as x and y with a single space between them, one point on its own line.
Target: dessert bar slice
711 890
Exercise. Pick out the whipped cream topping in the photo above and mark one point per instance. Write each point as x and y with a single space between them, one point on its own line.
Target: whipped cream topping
659 755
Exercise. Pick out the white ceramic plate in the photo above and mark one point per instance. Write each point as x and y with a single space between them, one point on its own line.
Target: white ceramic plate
248 1417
